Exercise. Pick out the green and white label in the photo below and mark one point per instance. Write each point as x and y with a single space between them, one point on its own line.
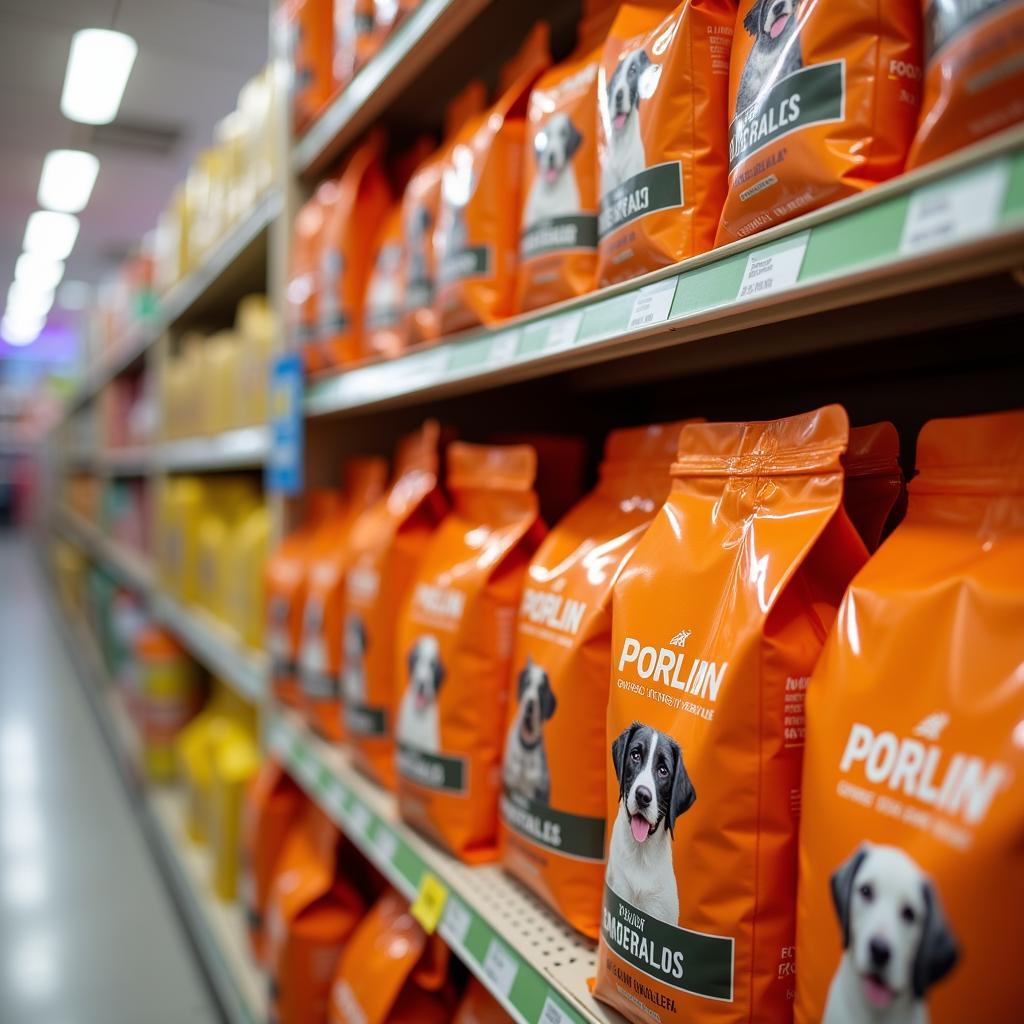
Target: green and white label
657 188
773 268
571 834
434 771
472 261
682 959
812 95
557 234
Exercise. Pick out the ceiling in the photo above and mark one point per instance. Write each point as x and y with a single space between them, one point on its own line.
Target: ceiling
194 56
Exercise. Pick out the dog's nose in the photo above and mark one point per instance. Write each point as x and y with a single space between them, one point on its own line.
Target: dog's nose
643 797
880 952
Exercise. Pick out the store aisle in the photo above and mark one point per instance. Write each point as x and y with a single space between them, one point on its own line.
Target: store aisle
88 934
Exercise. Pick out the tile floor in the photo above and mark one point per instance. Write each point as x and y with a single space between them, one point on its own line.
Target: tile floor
88 933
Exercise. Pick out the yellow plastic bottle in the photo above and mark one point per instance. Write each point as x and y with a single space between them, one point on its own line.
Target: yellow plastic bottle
236 762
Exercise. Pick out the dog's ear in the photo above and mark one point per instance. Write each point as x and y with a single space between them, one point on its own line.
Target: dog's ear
619 748
644 60
439 675
547 699
842 888
524 679
752 22
575 138
361 630
683 793
540 141
937 952
410 660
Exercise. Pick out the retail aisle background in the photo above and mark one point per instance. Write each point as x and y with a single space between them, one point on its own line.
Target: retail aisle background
88 934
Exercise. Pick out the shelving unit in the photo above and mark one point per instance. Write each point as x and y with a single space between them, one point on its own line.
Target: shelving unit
244 448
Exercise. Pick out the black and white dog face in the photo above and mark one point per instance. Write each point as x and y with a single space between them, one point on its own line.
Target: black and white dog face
771 23
354 639
624 90
426 673
554 146
536 703
894 928
654 786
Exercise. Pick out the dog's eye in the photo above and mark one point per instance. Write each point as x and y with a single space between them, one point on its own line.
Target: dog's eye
635 756
908 914
867 891
662 771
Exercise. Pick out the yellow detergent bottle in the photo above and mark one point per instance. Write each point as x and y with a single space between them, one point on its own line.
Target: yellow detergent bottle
247 555
236 762
257 326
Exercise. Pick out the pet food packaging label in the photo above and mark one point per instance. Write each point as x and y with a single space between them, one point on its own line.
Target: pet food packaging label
389 14
419 214
911 835
874 496
355 37
303 287
272 805
364 197
454 650
973 74
478 1006
555 759
662 89
477 234
385 546
391 971
383 328
717 622
313 912
823 103
320 653
311 41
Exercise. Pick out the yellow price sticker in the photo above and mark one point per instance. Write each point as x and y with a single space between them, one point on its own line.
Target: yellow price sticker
429 903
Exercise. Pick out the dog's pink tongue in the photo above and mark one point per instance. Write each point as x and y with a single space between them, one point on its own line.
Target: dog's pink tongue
551 175
777 27
876 993
619 120
640 827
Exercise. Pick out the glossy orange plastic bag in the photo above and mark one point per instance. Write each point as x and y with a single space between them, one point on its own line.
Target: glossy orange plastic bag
478 1006
662 90
823 102
323 615
355 37
717 622
911 874
385 292
392 972
973 74
454 648
312 39
386 545
874 496
303 288
555 759
312 913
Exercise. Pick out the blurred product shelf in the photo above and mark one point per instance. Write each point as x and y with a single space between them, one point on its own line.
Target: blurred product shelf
243 448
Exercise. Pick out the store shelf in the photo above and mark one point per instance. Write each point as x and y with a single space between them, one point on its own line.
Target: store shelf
533 964
244 448
128 568
413 46
128 461
946 223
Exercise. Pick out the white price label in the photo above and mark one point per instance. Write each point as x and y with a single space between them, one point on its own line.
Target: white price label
562 331
385 844
431 365
360 817
455 922
552 1013
951 211
503 349
500 966
336 800
773 271
652 304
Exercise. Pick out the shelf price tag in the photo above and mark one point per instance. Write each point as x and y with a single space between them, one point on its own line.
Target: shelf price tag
562 332
385 843
455 922
552 1013
503 349
652 304
952 211
429 903
360 817
773 269
284 463
500 966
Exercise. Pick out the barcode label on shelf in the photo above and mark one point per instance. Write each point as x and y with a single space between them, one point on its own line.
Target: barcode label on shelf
652 304
385 843
455 923
774 269
952 211
552 1013
360 817
500 966
562 332
503 349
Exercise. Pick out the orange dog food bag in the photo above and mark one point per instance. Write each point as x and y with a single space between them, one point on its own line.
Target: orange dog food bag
874 495
661 91
555 761
973 75
385 547
303 289
454 648
312 39
717 622
382 328
355 37
323 615
913 783
478 1006
823 102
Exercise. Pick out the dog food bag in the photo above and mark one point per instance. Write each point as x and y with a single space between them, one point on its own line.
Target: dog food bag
392 972
384 550
973 74
454 650
382 327
285 586
661 92
874 495
478 1006
476 240
272 806
302 291
555 761
717 622
364 197
389 14
312 913
323 615
312 39
355 37
823 102
910 844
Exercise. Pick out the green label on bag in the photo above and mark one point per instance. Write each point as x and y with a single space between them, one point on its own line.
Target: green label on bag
432 770
812 95
472 261
569 834
657 188
690 961
364 720
556 234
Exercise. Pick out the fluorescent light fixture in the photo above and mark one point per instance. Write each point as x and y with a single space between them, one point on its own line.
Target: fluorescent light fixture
19 330
23 298
38 272
51 234
67 180
98 68
75 295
